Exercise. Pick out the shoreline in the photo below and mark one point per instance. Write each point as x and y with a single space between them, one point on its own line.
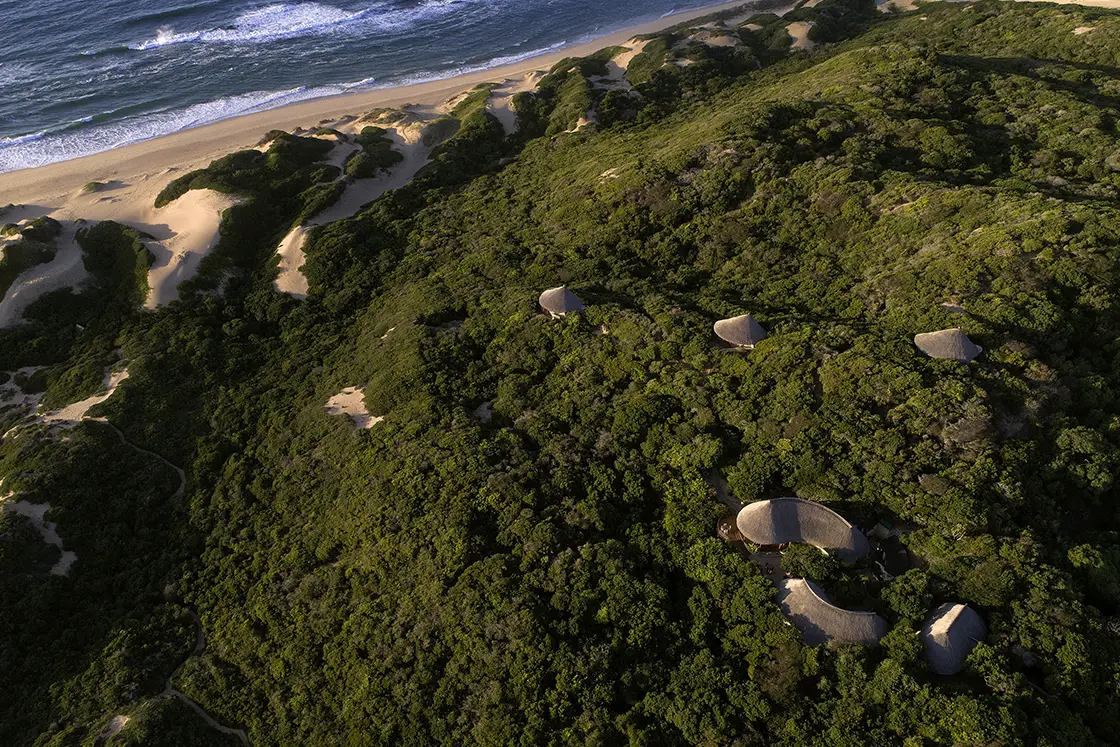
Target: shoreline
195 147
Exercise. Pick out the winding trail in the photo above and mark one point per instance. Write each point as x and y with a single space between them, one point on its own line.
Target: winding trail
182 489
200 641
170 691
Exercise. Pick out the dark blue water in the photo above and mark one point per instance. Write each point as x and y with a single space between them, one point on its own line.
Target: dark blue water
83 76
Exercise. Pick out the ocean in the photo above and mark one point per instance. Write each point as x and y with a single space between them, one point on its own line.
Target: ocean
80 77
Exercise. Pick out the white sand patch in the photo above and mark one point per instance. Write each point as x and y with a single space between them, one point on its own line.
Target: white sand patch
588 119
1083 30
71 415
447 106
753 27
341 153
114 726
64 271
351 401
358 194
291 280
611 173
799 32
501 99
193 222
620 63
36 513
11 395
386 335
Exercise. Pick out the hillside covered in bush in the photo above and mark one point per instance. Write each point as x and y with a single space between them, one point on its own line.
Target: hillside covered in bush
523 551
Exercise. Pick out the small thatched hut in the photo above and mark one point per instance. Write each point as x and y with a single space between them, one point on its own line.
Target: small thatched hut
819 621
560 301
949 635
783 520
741 331
948 344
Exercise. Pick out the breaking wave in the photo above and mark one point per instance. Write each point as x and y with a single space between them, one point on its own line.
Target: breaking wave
292 20
94 134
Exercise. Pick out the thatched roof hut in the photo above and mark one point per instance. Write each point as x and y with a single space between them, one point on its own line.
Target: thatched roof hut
948 344
949 635
741 331
782 520
560 301
819 621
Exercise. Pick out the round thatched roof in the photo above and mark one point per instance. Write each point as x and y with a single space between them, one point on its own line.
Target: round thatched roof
949 635
782 520
949 344
740 330
819 621
560 301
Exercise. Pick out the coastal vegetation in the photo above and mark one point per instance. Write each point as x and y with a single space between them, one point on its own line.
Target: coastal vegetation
549 573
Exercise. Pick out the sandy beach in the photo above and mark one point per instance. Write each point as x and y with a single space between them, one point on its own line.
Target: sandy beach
163 158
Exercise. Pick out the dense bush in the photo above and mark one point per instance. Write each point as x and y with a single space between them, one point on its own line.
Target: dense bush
523 551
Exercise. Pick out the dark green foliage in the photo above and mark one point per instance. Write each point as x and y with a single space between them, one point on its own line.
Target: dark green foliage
44 230
804 561
550 576
168 722
377 154
22 254
118 260
650 60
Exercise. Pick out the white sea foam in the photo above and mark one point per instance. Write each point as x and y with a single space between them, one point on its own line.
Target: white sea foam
291 20
29 151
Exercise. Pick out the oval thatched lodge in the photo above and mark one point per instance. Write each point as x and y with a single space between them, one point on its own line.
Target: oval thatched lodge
949 635
560 301
784 520
741 331
819 621
948 344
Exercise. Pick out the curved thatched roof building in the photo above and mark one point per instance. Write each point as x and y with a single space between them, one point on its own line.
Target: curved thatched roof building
948 344
742 331
819 621
949 635
782 520
560 301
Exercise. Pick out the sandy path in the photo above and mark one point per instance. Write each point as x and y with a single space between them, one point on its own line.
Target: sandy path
170 691
72 414
358 193
64 271
181 490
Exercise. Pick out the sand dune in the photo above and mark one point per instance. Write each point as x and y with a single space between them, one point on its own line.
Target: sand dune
501 98
193 221
36 514
66 270
799 32
72 414
358 193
